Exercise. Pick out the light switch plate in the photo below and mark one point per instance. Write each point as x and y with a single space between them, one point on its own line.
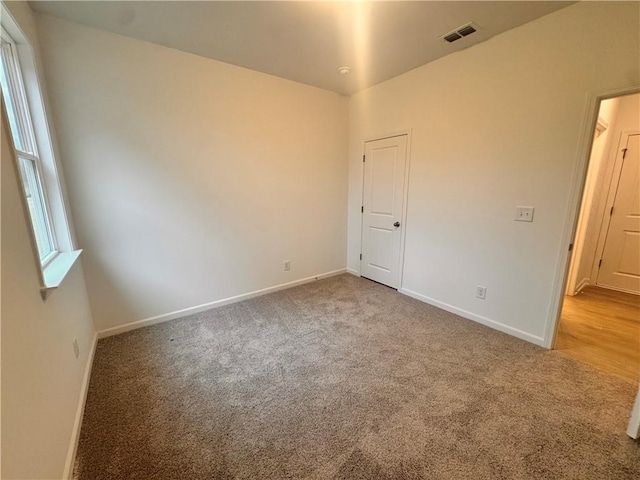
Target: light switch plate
524 214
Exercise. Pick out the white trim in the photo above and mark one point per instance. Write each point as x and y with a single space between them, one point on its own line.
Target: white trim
581 285
405 199
18 96
56 271
108 332
25 207
476 318
601 125
633 430
47 151
609 287
362 178
384 136
77 424
353 272
28 151
585 142
405 208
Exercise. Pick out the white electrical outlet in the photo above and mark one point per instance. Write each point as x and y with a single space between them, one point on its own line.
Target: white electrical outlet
76 349
524 214
287 265
481 292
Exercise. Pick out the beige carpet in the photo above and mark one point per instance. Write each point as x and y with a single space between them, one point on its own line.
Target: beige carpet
347 379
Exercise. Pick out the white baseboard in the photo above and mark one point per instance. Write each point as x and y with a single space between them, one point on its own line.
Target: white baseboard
581 285
208 306
609 287
77 424
353 272
476 318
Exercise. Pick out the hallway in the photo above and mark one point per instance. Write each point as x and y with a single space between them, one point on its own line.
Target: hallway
601 327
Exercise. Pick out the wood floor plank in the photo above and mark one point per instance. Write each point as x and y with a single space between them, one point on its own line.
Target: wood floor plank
601 327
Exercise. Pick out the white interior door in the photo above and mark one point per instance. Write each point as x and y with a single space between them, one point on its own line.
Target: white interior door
384 172
620 264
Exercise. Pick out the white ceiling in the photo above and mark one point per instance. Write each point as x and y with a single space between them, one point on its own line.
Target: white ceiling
307 41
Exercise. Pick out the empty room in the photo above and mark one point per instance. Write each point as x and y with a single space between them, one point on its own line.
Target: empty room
319 240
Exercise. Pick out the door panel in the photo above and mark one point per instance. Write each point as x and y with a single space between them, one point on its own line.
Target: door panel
620 268
380 246
383 165
629 263
384 172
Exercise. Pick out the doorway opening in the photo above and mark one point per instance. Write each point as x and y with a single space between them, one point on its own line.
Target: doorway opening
599 322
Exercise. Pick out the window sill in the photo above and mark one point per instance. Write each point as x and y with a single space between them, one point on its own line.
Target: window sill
56 271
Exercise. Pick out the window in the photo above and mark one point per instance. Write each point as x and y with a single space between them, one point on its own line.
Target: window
34 156
25 147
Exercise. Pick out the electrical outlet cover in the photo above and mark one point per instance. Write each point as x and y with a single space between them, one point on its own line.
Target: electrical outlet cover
481 292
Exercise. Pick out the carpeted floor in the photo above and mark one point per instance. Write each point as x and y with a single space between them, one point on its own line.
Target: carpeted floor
347 379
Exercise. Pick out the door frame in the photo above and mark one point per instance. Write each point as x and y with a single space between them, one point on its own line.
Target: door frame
405 199
633 430
578 254
611 198
578 181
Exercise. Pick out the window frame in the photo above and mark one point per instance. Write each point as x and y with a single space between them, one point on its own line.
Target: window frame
35 134
27 139
44 207
14 78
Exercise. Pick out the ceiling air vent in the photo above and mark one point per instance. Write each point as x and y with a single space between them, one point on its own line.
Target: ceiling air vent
452 37
460 32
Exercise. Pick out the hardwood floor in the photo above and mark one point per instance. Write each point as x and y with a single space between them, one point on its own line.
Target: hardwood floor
602 328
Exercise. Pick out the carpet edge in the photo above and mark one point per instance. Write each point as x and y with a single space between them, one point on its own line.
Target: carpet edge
108 332
77 423
501 327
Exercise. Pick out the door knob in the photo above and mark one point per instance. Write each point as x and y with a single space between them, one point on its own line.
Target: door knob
397 224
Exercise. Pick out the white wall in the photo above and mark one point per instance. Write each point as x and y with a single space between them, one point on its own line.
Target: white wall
41 378
493 127
623 115
191 180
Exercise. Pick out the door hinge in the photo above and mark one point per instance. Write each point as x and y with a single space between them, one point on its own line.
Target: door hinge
360 256
362 209
363 157
600 263
624 153
571 247
611 211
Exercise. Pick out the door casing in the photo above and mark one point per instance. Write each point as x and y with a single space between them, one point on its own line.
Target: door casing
573 211
611 199
633 430
405 199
